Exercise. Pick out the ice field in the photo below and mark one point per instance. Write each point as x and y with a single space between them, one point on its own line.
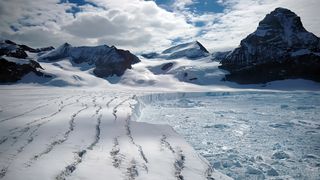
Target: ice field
248 135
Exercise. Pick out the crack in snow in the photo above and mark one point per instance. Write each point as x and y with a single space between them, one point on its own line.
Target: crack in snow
24 113
132 170
14 155
29 111
128 133
98 131
115 109
111 100
115 154
179 164
63 139
166 144
79 155
72 167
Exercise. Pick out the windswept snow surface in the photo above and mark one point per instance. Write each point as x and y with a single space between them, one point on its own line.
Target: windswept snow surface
248 135
64 133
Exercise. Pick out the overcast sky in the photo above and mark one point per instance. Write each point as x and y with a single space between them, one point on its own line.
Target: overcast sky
143 26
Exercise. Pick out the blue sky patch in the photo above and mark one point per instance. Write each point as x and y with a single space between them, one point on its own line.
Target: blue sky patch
78 2
206 6
199 7
75 9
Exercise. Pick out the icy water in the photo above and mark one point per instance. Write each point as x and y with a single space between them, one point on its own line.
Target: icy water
249 135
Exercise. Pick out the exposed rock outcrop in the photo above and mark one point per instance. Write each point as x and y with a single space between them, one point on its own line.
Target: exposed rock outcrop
13 71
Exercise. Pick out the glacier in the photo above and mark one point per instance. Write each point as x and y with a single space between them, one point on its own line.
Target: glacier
247 135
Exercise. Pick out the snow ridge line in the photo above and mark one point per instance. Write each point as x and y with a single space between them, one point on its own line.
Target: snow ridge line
63 139
24 113
115 109
79 155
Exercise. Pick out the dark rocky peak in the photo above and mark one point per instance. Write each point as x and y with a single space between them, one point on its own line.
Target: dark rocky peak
280 48
279 35
282 18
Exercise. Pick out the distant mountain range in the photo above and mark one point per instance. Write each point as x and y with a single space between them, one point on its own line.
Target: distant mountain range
107 60
280 48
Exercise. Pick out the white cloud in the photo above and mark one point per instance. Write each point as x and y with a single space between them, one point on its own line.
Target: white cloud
181 4
141 25
94 26
241 17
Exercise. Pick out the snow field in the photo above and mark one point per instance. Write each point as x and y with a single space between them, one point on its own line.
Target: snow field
64 133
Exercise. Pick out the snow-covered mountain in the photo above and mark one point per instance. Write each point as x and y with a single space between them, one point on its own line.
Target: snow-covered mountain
192 50
280 48
108 61
15 61
12 49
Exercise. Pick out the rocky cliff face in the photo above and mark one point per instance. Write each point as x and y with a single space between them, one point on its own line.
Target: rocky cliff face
280 47
12 71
